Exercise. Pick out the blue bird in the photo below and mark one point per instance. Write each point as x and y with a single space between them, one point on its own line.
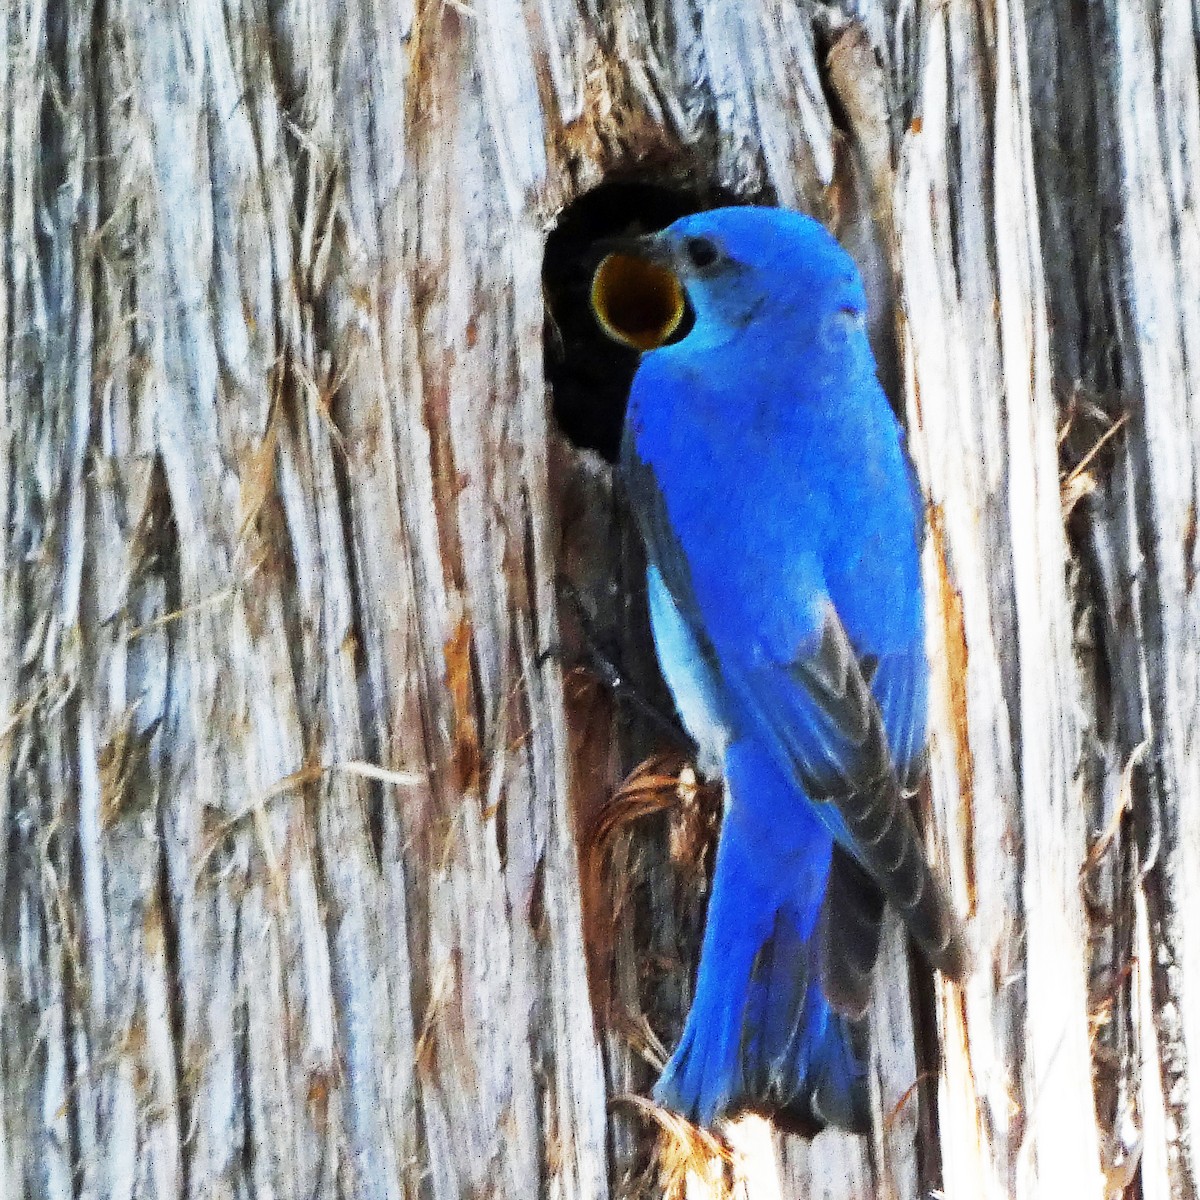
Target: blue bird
782 526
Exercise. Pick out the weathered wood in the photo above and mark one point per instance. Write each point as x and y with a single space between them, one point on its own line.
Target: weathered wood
1015 1110
1119 192
298 770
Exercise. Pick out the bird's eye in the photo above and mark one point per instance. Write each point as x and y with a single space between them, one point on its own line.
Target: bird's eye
701 252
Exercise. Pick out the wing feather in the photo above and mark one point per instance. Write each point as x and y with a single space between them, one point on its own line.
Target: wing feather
829 719
827 723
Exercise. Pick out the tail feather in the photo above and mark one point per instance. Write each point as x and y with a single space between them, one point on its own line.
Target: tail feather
850 926
772 1022
829 1061
840 1095
761 1035
804 1066
776 1048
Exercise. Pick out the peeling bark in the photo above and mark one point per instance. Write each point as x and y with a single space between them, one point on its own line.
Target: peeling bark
301 769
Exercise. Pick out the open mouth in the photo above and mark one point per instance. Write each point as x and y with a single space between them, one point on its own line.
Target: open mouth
637 303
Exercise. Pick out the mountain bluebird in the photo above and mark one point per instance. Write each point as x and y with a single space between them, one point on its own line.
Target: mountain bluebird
782 526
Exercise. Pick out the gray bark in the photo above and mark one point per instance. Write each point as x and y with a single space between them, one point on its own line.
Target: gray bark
298 859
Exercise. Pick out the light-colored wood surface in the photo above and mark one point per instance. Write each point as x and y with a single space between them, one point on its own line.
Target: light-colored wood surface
296 770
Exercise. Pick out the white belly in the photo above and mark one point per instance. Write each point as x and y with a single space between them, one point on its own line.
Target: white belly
689 677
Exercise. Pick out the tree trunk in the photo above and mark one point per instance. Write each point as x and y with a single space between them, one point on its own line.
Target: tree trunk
309 804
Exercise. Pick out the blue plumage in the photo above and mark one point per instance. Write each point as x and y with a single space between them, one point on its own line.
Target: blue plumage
782 527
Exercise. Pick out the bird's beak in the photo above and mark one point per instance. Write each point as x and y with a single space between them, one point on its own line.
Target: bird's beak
636 295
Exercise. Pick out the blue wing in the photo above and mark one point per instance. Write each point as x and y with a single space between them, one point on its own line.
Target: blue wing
825 723
900 686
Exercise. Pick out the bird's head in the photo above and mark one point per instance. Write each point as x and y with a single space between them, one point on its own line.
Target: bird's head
733 265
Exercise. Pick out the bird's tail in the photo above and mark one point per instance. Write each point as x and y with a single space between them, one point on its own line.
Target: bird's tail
761 1036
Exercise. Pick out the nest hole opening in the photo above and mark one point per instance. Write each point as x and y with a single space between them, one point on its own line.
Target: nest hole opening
588 369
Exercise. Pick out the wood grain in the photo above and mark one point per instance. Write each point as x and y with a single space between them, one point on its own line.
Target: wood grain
298 769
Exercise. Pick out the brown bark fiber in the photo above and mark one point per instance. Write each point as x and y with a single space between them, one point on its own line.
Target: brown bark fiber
302 771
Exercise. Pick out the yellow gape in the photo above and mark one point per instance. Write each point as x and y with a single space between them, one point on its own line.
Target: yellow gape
637 303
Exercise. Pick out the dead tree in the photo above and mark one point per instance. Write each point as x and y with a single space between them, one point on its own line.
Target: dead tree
313 614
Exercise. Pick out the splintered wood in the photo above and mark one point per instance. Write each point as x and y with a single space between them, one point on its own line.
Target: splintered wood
293 895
